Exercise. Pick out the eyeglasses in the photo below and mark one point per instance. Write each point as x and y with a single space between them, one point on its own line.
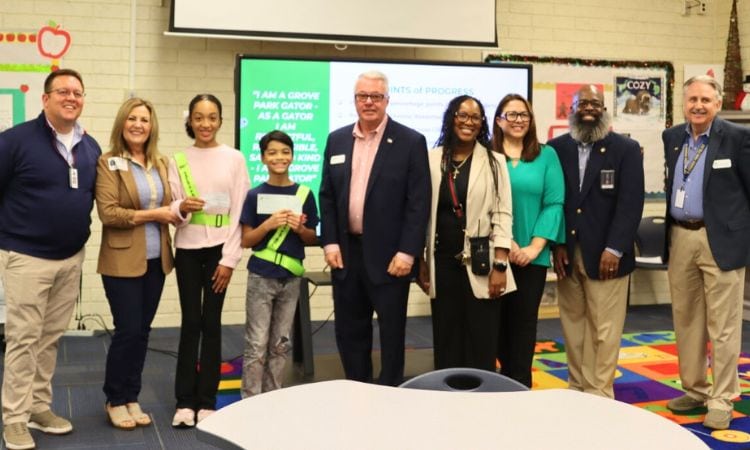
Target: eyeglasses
376 98
515 116
66 93
596 104
464 117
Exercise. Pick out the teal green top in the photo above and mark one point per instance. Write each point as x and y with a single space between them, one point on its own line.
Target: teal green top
538 191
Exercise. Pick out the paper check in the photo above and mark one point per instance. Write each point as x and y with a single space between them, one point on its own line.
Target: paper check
270 203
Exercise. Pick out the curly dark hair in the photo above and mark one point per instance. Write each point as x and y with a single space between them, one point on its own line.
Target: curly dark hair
449 140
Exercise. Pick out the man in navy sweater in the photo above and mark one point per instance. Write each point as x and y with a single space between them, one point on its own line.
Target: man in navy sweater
47 178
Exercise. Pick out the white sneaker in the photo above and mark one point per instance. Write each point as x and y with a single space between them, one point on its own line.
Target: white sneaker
203 413
184 418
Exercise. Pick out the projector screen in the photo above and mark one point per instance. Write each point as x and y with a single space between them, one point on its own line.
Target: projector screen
309 98
415 22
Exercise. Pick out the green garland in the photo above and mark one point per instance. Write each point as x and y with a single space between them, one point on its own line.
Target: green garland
664 65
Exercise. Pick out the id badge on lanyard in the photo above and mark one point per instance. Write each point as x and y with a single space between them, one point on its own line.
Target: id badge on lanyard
679 198
73 177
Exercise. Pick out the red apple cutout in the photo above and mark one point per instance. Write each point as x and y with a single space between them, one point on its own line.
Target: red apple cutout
52 42
24 88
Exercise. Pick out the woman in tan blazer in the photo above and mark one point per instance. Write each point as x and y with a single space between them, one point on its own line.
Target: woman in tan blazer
132 198
470 198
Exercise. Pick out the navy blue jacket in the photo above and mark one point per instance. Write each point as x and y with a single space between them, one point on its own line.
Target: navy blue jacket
597 218
397 199
40 214
726 189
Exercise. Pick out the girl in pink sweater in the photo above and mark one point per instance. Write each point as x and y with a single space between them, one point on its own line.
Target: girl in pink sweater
209 182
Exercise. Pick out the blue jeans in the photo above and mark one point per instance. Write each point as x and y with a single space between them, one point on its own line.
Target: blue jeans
133 302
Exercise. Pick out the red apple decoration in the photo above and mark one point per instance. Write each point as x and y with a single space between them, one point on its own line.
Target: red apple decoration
24 88
52 42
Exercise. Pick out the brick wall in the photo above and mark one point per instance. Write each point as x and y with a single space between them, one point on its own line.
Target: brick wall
170 70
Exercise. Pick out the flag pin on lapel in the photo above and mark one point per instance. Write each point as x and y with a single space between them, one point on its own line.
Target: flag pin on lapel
389 140
602 150
677 149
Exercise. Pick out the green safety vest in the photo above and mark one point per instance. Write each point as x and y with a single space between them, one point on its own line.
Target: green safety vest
198 217
271 254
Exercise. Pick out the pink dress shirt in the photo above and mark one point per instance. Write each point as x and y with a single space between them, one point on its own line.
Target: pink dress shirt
363 156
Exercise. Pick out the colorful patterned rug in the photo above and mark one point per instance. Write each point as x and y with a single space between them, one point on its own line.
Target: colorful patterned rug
229 386
648 377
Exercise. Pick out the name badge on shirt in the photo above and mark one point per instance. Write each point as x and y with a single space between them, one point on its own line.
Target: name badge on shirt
607 179
679 199
73 177
722 164
117 163
338 159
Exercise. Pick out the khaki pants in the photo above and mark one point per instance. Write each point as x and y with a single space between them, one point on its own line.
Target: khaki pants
40 295
706 307
592 314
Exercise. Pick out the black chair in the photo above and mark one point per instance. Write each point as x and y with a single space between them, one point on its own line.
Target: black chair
464 379
649 240
649 243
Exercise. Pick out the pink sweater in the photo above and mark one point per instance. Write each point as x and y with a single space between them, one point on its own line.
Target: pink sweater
219 172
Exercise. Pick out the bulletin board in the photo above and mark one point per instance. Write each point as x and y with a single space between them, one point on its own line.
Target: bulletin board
26 58
638 95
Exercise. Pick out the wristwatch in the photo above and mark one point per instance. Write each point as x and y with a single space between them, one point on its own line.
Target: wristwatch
500 266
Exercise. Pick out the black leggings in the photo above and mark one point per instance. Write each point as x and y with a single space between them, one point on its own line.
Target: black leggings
197 379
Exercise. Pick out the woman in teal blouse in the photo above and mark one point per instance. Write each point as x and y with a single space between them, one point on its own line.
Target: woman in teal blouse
538 192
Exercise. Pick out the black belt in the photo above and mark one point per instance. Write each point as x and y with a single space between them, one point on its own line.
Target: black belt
356 237
690 224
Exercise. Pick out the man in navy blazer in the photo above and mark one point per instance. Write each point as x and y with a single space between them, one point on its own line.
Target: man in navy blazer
604 192
708 238
374 203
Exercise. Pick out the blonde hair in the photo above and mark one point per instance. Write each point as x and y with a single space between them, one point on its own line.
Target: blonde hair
117 142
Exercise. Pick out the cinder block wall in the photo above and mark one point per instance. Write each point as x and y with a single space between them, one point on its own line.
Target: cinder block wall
170 70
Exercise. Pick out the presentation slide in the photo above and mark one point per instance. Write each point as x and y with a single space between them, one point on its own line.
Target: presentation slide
310 98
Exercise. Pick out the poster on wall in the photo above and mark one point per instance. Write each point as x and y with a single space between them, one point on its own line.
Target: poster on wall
638 95
639 98
564 93
26 58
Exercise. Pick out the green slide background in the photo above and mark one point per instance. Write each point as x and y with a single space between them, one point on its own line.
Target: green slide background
292 96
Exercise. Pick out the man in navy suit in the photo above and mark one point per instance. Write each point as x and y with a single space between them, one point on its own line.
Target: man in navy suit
374 203
708 237
603 205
